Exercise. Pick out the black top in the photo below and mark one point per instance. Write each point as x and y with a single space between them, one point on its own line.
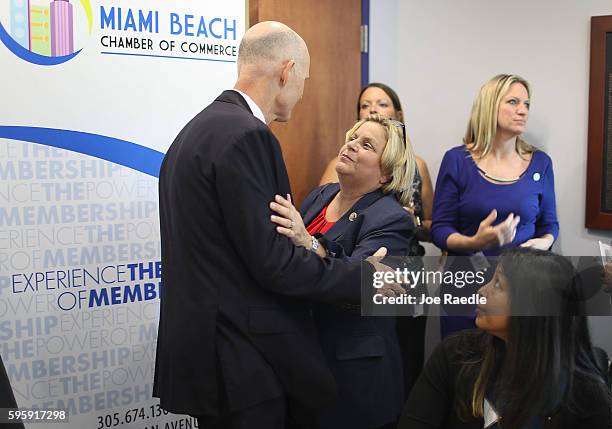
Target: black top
417 200
430 404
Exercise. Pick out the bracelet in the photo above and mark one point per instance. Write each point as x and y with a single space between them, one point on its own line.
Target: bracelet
314 244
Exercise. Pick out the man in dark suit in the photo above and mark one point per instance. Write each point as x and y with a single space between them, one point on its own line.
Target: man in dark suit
7 399
237 345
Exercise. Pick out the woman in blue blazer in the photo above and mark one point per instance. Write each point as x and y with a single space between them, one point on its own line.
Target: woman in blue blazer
352 219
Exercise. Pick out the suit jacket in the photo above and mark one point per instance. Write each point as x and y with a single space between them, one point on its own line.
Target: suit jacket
234 329
7 399
362 352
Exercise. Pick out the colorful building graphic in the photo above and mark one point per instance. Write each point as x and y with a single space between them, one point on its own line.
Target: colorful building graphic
20 22
62 37
40 30
44 27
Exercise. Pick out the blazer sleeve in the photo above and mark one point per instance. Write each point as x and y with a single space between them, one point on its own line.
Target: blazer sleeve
445 217
248 174
546 222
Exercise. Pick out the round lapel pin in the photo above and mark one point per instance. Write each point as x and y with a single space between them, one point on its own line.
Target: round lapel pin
352 217
536 177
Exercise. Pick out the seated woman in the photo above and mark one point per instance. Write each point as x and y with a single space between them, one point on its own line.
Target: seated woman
355 217
531 364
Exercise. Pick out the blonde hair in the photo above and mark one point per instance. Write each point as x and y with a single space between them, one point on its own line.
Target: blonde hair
482 125
397 161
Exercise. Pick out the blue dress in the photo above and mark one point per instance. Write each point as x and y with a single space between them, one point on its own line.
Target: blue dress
463 198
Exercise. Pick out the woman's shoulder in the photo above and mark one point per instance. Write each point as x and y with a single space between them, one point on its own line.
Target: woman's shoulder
463 344
590 399
454 351
458 152
455 157
387 206
541 158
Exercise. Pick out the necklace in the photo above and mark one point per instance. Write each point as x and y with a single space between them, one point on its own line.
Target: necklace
498 179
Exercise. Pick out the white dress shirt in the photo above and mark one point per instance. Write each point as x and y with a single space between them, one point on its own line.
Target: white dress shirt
253 106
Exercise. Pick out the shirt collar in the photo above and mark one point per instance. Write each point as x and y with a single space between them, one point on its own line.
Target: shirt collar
253 106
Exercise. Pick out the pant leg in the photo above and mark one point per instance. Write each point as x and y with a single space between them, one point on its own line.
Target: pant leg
411 334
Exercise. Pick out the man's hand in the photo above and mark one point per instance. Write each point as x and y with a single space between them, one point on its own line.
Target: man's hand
389 289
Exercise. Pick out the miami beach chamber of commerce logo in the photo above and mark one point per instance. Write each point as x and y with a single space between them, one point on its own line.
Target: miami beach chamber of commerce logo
45 32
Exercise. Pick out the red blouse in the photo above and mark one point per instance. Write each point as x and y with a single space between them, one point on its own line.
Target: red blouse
319 224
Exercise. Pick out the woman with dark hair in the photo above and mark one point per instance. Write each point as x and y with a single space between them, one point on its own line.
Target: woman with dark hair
531 364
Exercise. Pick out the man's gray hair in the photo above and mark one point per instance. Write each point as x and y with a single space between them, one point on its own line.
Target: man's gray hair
271 48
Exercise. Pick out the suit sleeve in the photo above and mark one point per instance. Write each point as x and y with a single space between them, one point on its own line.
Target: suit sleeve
446 199
248 174
7 400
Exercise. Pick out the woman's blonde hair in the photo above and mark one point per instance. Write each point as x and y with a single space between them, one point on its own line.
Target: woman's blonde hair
397 161
482 125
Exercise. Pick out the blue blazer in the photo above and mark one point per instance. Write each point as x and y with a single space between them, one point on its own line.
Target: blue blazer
362 352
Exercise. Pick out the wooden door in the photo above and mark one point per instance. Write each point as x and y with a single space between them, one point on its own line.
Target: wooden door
313 136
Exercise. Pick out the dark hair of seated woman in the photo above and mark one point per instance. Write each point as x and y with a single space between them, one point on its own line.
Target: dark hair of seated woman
535 367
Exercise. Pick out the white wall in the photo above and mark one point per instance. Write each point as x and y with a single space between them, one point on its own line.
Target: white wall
437 54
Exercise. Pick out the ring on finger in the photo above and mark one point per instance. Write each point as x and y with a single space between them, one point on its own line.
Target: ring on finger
291 224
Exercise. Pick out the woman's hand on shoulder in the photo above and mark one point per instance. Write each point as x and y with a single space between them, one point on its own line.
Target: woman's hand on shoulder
289 221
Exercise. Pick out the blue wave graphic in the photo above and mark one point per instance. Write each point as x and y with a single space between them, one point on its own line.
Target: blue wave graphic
122 152
29 56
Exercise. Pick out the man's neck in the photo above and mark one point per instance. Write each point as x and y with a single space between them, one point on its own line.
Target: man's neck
260 95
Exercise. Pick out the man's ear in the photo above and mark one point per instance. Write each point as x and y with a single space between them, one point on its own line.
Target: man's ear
286 70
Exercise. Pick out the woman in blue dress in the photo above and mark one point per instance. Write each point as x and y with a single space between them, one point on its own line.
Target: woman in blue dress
496 190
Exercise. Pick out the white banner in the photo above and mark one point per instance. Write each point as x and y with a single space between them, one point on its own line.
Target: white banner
93 94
